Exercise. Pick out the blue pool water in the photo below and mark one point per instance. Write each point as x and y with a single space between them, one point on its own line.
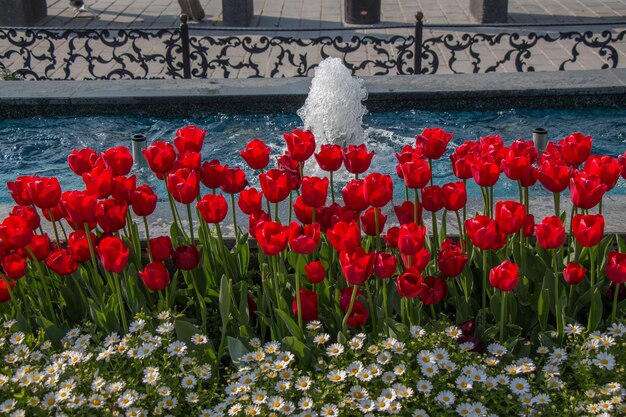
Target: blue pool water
40 145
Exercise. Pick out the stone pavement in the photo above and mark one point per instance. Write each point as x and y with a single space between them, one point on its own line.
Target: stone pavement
312 18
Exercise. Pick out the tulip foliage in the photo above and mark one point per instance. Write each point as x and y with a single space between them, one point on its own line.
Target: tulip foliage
334 253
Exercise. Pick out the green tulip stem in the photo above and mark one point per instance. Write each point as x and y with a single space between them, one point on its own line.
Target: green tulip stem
290 207
557 204
484 294
491 202
433 312
232 204
614 310
145 223
416 203
592 257
313 213
298 301
503 316
344 323
276 219
600 207
485 194
91 248
190 223
465 205
203 311
460 225
557 299
332 188
54 226
377 226
435 236
370 301
430 165
521 193
120 300
43 277
406 193
570 299
175 215
570 237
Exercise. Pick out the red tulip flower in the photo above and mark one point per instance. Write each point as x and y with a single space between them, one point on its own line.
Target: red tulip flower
189 159
314 191
553 174
504 276
186 257
411 238
15 232
368 221
160 157
249 201
356 158
358 315
184 185
292 168
588 229
357 266
29 214
433 290
416 173
301 144
14 266
391 238
378 189
256 154
434 142
143 200
99 181
408 154
483 232
119 159
213 208
406 212
275 185
39 246
510 216
123 187
605 167
44 192
308 305
616 267
315 272
451 259
385 265
575 149
574 273
454 195
485 171
462 159
81 160
432 198
409 283
586 190
62 262
79 207
420 260
550 233
304 240
303 213
113 254
329 158
78 245
111 215
233 180
344 237
155 276
161 248
189 138
257 219
19 190
622 162
5 294
211 174
354 195
528 225
272 237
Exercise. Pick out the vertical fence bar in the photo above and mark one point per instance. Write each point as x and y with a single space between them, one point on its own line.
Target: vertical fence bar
184 39
419 38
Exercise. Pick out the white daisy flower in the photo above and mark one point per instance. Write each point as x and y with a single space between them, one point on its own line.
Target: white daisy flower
314 325
305 403
464 409
177 348
358 393
303 383
424 386
496 349
165 328
321 338
336 376
617 330
334 350
259 397
604 361
199 339
519 386
446 398
136 325
7 406
574 329
329 410
420 413
453 332
417 332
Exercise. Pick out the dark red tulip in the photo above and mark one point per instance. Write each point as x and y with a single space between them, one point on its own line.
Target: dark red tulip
385 264
249 201
19 190
345 237
189 159
39 246
504 276
451 259
62 262
409 282
183 185
553 174
211 174
315 272
432 198
354 195
468 328
29 214
530 178
575 149
292 168
329 158
143 200
510 216
357 266
358 315
329 216
275 185
111 215
44 192
160 157
308 305
574 273
304 213
378 189
314 191
586 190
15 232
416 173
406 212
368 221
155 276
119 159
256 219
186 257
485 170
605 167
588 229
610 292
454 195
391 238
462 159
420 260
622 162
78 245
5 294
345 295
550 233
81 160
123 187
189 138
304 240
213 208
433 290
256 154
79 207
433 141
411 238
483 232
356 158
161 248
233 180
113 254
272 237
301 144
528 225
14 266
616 267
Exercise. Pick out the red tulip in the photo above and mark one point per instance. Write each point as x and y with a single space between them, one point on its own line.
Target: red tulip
308 305
510 216
391 238
119 159
39 246
406 212
15 232
304 240
44 192
484 232
301 144
186 257
61 262
354 195
408 154
454 195
155 276
329 158
256 154
553 174
19 190
420 260
189 159
123 187
358 315
356 158
416 173
213 208
575 148
79 207
315 272
433 141
345 295
616 267
411 238
143 200
189 138
78 245
5 294
378 189
433 290
462 159
485 170
81 160
113 254
586 190
249 200
357 266
275 185
409 282
111 215
256 219
314 191
385 264
528 225
14 266
233 180
329 216
368 221
160 157
451 259
518 160
622 162
345 237
610 292
432 198
574 273
605 167
29 214
212 173
272 237
588 229
99 181
292 168
504 276
304 213
161 248
550 233
183 185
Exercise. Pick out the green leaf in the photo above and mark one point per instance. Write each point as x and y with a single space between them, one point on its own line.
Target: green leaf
595 311
56 333
224 301
301 350
236 350
293 328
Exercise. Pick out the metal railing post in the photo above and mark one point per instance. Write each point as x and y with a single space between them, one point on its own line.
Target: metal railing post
419 38
184 39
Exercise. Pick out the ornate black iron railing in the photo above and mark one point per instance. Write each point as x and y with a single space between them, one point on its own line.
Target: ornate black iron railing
128 53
